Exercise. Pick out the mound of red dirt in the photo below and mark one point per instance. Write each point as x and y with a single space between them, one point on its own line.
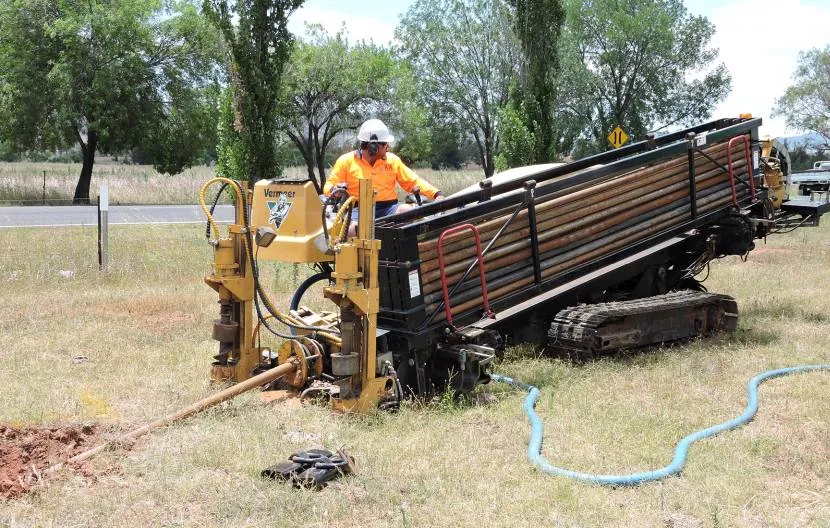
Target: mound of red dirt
25 453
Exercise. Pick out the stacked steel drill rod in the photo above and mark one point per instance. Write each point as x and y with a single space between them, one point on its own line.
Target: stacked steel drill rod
577 225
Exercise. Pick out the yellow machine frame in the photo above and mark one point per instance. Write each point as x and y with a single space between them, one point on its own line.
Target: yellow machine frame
776 176
355 291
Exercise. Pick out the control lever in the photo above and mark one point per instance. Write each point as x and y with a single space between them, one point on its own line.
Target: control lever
417 192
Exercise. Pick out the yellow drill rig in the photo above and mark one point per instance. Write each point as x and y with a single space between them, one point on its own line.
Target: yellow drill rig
290 219
583 258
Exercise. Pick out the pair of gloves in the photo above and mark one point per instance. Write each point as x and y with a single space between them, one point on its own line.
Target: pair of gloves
339 192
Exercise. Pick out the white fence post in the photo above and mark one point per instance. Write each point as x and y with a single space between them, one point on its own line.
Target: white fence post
103 224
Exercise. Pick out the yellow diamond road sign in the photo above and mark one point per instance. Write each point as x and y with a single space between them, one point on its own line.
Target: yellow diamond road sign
618 137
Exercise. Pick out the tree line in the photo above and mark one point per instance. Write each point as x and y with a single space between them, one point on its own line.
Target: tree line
502 83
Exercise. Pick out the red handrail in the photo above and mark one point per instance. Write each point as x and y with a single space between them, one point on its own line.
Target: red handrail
479 257
749 170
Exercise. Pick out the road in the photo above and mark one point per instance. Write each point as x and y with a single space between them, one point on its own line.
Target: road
63 216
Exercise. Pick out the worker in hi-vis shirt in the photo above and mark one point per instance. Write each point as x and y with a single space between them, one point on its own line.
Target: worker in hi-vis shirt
386 169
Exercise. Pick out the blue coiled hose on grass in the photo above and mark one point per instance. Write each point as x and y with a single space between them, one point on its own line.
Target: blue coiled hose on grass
534 448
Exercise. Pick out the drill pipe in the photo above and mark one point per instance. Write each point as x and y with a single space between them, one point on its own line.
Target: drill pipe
605 236
554 264
576 213
504 276
568 252
568 263
127 438
572 221
429 249
550 237
578 245
598 191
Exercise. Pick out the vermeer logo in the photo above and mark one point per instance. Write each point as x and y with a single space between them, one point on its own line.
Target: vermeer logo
269 193
279 210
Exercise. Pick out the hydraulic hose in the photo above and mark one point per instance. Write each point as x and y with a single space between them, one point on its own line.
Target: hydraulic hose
202 200
340 225
534 448
213 208
305 285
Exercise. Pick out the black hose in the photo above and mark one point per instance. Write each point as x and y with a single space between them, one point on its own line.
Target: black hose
305 285
301 289
213 207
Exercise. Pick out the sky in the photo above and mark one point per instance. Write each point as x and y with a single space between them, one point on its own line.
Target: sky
759 41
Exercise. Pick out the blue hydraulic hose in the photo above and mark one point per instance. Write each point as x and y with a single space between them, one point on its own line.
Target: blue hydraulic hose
534 448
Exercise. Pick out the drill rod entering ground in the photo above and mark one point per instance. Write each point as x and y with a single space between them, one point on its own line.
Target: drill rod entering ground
210 401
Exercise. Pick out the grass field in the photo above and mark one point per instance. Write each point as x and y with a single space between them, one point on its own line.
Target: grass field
23 183
145 330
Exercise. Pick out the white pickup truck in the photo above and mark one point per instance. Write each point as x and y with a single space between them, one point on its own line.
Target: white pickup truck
815 179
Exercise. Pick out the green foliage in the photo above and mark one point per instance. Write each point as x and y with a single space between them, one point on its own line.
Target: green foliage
7 153
465 58
630 64
330 87
518 143
259 43
408 116
232 154
538 25
802 159
188 134
446 147
102 73
806 104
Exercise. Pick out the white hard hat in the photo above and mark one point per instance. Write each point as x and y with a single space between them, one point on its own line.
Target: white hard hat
374 130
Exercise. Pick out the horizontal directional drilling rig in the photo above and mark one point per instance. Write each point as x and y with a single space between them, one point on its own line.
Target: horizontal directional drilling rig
584 258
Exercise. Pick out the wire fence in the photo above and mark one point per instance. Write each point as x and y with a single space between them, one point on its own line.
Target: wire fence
55 184
31 184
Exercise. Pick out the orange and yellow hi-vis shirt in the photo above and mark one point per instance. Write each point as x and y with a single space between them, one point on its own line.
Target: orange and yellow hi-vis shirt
384 173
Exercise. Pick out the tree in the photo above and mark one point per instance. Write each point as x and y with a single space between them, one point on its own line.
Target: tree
538 24
806 104
518 142
259 44
407 115
465 57
639 64
802 157
100 73
188 134
330 87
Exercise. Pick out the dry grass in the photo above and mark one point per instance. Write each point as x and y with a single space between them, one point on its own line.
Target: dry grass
23 183
145 329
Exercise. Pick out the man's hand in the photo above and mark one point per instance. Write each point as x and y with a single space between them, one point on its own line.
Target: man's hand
339 192
439 196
